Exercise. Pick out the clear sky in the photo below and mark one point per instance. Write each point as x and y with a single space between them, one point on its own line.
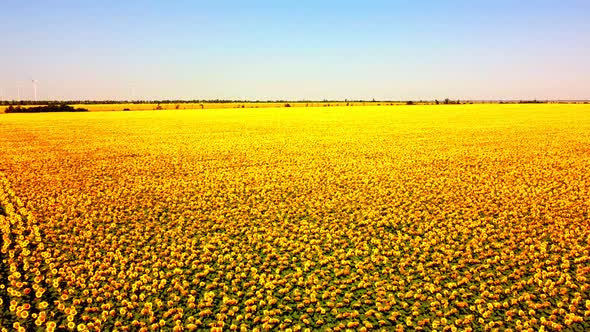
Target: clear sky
295 49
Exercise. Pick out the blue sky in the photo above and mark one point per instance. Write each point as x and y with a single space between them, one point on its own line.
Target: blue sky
290 49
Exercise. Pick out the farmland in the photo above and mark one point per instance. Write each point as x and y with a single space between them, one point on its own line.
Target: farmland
447 218
144 106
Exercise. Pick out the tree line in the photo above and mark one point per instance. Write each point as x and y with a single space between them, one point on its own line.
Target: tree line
44 109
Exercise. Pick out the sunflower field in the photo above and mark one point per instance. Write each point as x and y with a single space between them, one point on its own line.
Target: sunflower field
390 218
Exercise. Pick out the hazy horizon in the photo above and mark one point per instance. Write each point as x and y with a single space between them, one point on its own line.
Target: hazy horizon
263 50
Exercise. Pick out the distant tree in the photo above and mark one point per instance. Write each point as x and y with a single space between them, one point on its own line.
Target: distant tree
409 102
436 101
447 101
287 105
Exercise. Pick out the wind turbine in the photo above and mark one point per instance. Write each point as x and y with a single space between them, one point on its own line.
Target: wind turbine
34 81
131 91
